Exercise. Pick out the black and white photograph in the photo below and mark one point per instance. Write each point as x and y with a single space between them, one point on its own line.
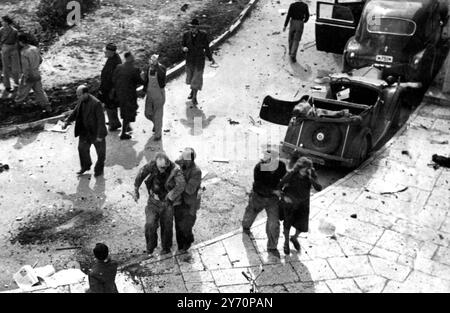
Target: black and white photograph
193 148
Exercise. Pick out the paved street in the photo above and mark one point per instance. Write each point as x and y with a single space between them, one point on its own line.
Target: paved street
382 228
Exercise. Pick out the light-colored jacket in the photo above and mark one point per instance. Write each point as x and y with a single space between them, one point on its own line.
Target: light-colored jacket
31 60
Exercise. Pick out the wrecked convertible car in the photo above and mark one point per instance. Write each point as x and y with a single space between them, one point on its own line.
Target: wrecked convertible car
342 127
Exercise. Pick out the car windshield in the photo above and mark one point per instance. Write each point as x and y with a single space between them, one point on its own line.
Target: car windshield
392 26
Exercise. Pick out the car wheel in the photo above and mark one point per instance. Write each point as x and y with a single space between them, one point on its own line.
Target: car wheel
322 137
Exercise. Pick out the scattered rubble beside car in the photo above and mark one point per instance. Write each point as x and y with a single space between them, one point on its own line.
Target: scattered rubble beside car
342 127
401 37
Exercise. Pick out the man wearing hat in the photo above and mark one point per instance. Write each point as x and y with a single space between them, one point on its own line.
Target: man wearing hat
31 60
196 46
10 52
90 127
154 76
102 276
267 176
186 214
106 93
126 79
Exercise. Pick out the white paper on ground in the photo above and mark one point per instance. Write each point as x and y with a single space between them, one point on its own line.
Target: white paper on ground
58 127
45 271
66 277
26 277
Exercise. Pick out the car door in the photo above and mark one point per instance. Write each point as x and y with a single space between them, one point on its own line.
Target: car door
336 23
277 111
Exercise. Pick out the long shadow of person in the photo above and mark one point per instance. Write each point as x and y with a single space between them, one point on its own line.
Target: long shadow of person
196 119
25 139
85 197
121 152
151 148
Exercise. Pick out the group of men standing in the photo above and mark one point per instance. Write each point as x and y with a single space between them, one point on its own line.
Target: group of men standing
21 62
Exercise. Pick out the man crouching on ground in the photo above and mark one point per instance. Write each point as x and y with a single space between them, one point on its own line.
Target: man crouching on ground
186 214
165 185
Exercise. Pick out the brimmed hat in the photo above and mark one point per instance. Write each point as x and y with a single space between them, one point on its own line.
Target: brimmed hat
111 47
194 22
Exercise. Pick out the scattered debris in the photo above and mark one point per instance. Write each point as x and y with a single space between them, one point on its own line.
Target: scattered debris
394 192
18 219
184 7
26 278
233 122
282 11
275 33
441 142
218 160
4 167
423 126
405 152
167 130
441 237
441 160
67 248
354 216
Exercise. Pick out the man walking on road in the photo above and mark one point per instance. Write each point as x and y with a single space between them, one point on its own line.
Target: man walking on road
154 83
90 127
126 79
107 87
165 184
186 214
10 53
298 15
102 276
196 46
267 176
31 77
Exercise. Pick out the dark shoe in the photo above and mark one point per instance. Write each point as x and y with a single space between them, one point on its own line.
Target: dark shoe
274 252
125 137
194 101
114 128
99 173
163 252
295 243
294 59
83 170
150 251
182 251
286 248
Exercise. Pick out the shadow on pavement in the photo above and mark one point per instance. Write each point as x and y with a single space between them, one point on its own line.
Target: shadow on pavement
194 118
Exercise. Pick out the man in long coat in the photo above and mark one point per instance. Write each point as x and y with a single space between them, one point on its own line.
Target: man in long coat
126 79
196 46
90 127
106 94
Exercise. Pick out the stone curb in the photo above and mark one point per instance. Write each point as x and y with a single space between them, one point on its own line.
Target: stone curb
172 73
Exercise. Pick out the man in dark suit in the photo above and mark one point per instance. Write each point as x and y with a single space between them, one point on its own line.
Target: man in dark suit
90 127
103 274
186 214
106 92
196 46
126 79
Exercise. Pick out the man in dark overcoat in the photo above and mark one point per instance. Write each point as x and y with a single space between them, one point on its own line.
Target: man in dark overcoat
126 79
90 127
106 93
196 46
